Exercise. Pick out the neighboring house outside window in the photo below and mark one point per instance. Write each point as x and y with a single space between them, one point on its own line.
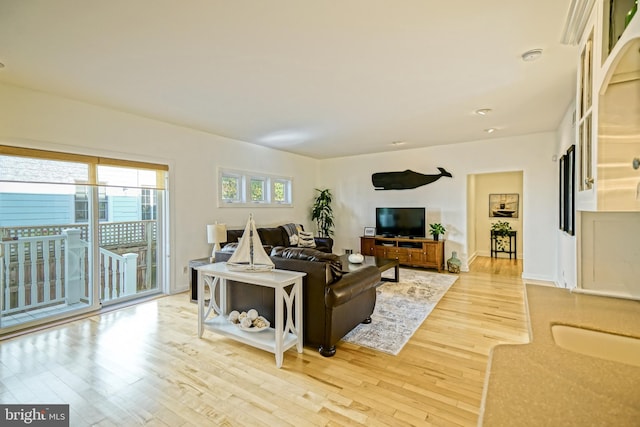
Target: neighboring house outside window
82 204
149 204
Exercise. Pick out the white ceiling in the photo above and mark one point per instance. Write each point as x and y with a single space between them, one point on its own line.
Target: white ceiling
322 78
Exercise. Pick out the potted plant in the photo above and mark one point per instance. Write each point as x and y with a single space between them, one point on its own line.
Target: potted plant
500 231
436 229
322 213
501 228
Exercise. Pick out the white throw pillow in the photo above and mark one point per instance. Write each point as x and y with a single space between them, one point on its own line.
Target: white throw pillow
306 240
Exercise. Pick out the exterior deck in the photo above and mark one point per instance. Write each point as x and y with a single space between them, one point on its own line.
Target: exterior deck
44 268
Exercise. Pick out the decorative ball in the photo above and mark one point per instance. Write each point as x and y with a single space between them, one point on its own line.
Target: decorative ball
242 315
233 316
356 258
246 322
260 322
252 314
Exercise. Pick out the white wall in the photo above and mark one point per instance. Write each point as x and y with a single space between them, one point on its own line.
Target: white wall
446 199
472 242
567 251
38 120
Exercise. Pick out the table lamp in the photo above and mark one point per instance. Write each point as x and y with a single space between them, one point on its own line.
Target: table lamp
216 233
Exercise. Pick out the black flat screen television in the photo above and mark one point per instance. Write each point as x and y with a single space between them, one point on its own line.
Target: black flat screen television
400 222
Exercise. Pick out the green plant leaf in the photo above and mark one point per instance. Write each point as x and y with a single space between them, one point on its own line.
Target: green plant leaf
322 213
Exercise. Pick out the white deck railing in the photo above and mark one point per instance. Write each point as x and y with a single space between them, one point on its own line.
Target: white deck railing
20 278
37 272
119 274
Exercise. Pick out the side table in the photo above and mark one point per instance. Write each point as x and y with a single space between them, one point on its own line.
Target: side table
508 245
286 333
193 276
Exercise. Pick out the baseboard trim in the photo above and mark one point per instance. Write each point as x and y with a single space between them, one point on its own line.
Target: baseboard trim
609 294
539 280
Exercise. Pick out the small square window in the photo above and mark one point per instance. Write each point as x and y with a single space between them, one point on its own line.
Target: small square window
231 188
281 191
258 191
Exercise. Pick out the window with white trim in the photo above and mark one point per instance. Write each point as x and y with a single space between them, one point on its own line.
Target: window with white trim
250 189
258 189
231 188
281 191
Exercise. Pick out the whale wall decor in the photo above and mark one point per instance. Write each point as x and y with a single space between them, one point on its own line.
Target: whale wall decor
405 180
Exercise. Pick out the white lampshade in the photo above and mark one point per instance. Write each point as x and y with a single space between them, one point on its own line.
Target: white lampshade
216 233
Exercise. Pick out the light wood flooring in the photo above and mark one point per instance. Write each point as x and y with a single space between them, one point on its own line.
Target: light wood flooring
145 365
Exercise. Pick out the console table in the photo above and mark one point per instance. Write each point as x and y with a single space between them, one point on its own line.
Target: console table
415 252
277 339
509 244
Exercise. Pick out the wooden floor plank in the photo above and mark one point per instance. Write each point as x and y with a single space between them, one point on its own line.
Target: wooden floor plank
145 365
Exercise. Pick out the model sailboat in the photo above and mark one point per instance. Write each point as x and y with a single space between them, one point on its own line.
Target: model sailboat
250 255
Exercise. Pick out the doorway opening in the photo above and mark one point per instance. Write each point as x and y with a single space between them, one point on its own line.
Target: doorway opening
494 198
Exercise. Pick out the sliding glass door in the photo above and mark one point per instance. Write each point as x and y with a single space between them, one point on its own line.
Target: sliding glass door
129 234
45 254
77 232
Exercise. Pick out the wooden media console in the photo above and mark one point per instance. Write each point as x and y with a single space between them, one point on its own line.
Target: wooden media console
417 252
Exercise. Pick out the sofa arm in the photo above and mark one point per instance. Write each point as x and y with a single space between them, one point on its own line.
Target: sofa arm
351 285
324 244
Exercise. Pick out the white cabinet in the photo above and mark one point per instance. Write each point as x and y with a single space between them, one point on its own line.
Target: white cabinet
619 132
589 49
608 109
585 109
608 186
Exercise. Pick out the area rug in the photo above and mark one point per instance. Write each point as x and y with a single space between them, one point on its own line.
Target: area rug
400 309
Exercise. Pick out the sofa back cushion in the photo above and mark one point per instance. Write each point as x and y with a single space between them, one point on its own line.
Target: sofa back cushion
332 261
271 236
233 236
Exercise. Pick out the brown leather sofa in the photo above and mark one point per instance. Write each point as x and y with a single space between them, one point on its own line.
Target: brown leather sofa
334 302
277 236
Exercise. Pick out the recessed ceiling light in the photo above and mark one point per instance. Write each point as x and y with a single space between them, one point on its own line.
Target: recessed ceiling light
398 143
532 55
483 111
490 130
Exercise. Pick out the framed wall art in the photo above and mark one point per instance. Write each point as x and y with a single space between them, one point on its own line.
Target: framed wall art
562 166
567 181
504 205
369 231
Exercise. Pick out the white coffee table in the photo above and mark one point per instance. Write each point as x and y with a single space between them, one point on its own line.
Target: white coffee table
276 339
